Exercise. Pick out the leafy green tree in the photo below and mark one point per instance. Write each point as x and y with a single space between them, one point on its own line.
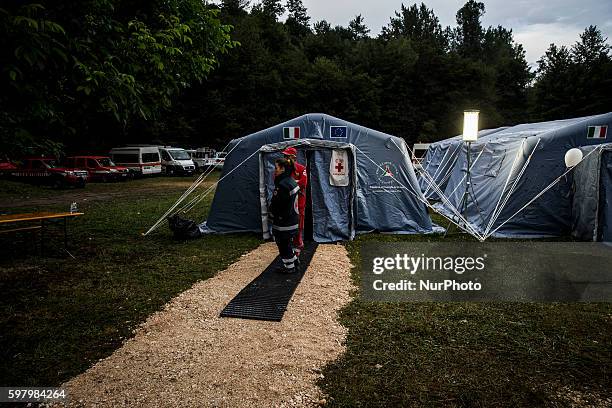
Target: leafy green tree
358 28
469 33
553 95
322 27
591 48
90 62
271 8
592 73
235 7
512 75
418 23
576 81
32 47
298 21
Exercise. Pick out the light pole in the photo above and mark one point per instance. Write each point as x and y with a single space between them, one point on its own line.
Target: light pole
470 134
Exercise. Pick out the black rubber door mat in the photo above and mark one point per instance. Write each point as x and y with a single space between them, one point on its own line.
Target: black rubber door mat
267 296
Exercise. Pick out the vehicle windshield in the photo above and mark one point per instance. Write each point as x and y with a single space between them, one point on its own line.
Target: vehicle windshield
179 154
50 163
420 153
106 162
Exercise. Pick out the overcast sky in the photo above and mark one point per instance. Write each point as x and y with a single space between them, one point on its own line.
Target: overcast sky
535 24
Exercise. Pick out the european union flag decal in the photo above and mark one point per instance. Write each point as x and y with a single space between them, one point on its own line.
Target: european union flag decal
338 132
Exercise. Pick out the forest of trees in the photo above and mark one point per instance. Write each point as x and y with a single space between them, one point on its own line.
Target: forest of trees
93 74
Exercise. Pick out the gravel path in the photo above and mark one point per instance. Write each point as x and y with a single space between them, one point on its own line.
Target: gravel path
185 355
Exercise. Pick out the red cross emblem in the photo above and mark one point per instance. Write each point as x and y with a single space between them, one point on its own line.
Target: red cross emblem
339 166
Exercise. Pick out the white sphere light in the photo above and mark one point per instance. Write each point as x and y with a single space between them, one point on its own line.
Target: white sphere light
573 157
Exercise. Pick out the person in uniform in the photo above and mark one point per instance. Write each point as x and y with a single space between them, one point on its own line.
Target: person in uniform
300 176
284 212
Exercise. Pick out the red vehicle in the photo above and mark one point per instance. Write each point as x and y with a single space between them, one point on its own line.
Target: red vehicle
6 167
99 168
46 170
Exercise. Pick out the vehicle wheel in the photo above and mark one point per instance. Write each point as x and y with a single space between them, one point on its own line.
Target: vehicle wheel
169 171
57 183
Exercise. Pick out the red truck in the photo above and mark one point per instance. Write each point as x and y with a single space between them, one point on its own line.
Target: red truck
99 168
46 170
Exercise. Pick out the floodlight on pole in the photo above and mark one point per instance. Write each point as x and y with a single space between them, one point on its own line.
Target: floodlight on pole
470 134
470 125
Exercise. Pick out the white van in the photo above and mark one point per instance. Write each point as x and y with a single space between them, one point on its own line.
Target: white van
201 155
175 160
419 150
140 159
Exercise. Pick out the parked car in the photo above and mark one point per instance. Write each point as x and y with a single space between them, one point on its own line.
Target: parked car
140 159
46 170
201 155
6 167
175 160
419 150
99 168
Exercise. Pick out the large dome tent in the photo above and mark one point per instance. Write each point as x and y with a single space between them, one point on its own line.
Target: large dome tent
380 191
520 186
439 159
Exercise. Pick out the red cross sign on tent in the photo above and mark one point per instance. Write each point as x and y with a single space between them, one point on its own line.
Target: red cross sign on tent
339 168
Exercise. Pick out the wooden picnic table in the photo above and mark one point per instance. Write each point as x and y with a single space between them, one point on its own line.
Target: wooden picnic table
41 217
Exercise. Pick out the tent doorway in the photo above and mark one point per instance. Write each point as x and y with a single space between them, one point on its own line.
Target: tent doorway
330 209
308 221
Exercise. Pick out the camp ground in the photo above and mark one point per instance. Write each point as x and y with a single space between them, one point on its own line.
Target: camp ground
177 322
519 183
451 180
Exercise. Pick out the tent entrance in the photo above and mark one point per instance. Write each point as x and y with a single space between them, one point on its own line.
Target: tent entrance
330 209
308 221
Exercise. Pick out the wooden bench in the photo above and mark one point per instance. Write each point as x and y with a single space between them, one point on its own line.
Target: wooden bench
40 217
32 228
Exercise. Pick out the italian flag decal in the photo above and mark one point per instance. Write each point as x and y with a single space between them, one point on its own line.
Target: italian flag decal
291 133
597 132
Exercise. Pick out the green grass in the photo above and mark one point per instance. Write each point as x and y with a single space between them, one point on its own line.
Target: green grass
468 354
58 315
19 191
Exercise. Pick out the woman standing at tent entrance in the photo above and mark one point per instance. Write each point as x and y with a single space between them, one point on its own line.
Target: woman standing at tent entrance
284 212
301 178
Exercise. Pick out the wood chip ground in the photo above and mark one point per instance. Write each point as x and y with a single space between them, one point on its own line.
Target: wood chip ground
185 355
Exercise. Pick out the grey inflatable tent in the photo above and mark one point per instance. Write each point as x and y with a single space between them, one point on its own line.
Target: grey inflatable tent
381 192
440 159
514 172
592 200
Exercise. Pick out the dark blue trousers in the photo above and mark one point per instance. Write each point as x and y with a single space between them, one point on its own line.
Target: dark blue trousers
284 242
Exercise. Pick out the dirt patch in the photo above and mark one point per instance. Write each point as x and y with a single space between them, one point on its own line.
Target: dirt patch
186 355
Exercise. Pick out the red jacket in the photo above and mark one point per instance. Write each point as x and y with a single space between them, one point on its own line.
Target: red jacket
300 176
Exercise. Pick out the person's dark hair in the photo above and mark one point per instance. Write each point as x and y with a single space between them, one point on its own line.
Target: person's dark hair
286 164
